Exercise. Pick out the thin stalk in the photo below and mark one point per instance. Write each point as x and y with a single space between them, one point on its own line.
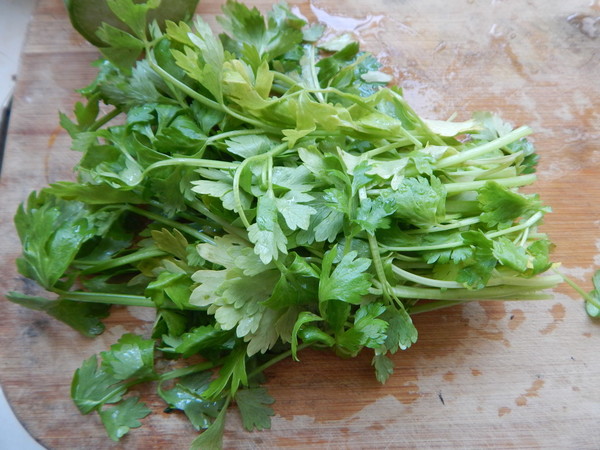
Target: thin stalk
105 298
144 253
500 161
531 283
386 148
496 292
409 276
275 360
172 223
458 224
105 119
231 229
183 371
484 148
233 133
518 181
313 78
285 79
484 174
522 226
238 174
237 193
586 296
528 223
376 254
192 162
404 104
433 306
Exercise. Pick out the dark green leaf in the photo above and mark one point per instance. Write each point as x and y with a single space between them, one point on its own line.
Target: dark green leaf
200 339
303 318
252 403
348 282
52 231
92 387
119 419
510 254
186 396
401 332
83 317
384 367
132 356
501 207
212 437
231 376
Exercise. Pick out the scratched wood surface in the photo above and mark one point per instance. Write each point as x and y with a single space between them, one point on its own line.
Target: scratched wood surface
488 374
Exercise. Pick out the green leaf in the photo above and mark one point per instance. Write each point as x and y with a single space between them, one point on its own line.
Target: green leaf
510 254
287 293
384 367
476 274
248 145
186 396
132 356
231 376
211 52
368 330
248 28
297 285
142 87
252 403
133 14
420 201
540 253
212 437
119 419
171 241
335 313
266 234
92 387
199 339
83 317
52 231
123 49
501 206
124 44
173 323
360 176
303 318
592 309
296 214
93 194
374 214
327 222
348 282
401 332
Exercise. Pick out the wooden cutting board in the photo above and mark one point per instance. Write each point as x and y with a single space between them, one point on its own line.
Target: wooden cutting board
490 374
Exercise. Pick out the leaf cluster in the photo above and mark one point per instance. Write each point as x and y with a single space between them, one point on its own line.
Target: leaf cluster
265 191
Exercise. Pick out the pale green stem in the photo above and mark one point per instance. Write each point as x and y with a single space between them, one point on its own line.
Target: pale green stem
172 223
518 181
480 150
528 223
193 162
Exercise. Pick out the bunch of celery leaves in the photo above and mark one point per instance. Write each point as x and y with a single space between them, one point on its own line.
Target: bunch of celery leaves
265 190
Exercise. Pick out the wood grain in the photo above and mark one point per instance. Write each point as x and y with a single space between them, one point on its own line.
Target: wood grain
489 374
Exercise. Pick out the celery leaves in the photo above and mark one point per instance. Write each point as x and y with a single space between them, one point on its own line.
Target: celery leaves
265 191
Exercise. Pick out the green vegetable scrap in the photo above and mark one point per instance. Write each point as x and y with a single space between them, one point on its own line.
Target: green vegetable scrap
266 192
